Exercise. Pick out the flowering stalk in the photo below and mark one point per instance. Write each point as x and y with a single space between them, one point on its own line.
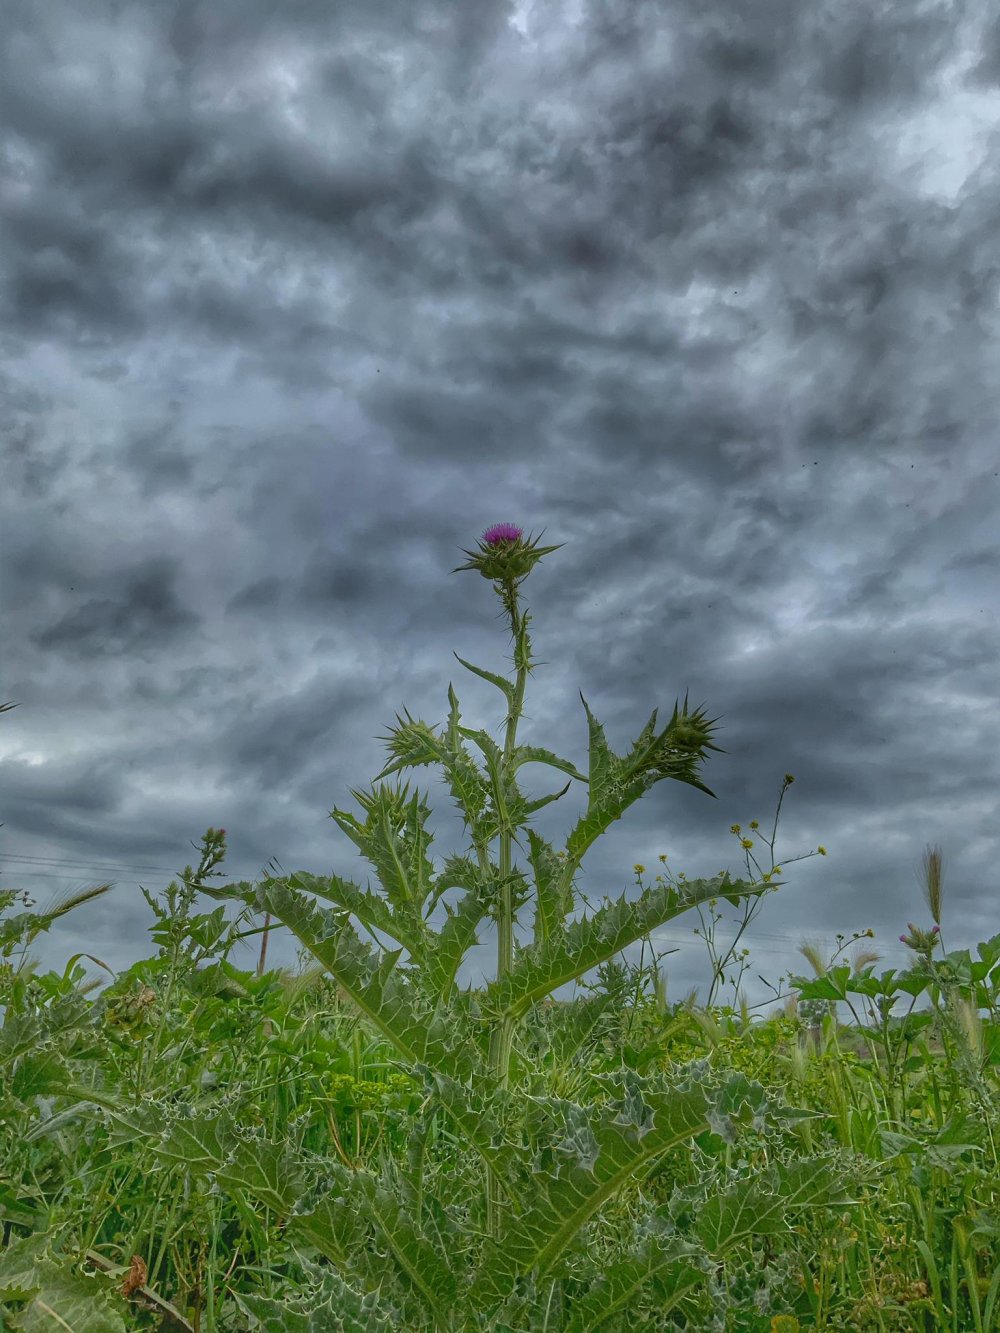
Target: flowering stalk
552 1164
506 560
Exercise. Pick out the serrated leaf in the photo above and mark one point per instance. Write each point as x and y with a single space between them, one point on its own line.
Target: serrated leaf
532 806
415 743
39 1073
601 1149
56 1297
458 934
553 896
664 1270
425 1270
536 754
576 949
19 1033
394 840
762 1204
329 1305
500 682
389 998
568 1027
616 781
468 786
371 909
508 800
478 1112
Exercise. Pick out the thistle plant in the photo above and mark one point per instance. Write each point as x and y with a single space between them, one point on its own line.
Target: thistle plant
413 1245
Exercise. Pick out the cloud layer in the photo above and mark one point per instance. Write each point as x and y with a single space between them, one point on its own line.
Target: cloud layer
295 302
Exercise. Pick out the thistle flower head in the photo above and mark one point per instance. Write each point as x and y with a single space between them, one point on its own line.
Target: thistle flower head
504 556
502 532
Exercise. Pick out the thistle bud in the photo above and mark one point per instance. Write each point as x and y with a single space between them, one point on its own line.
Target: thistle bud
504 556
921 941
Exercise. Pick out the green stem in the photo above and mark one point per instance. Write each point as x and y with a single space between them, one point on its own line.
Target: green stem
502 1037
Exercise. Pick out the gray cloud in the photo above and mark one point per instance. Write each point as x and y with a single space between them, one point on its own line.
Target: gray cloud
294 303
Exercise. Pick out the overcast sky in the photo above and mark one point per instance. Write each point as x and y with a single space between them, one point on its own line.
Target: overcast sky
297 300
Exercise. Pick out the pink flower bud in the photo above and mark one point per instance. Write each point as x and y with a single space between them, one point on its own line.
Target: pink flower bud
903 938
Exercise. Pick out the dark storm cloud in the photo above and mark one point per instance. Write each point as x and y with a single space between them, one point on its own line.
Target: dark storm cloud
294 302
143 613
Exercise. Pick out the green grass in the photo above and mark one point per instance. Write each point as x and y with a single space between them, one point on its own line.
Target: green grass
91 1207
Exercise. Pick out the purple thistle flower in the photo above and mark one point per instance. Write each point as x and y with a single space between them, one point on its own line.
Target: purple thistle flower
502 532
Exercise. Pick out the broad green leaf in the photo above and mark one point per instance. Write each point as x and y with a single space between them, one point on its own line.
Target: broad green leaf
553 895
592 1154
425 1269
55 1297
481 1113
565 1029
585 944
330 1305
831 985
390 998
767 1202
39 1073
665 1270
19 1033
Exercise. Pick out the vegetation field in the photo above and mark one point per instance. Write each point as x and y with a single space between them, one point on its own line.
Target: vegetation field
369 1146
166 1151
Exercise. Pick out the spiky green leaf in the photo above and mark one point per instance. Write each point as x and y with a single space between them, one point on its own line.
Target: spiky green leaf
532 806
372 910
501 682
553 894
458 934
663 1270
535 754
616 781
766 1202
394 840
590 1154
575 950
392 1000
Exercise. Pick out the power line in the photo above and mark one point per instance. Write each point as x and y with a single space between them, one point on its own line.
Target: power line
750 937
107 865
792 942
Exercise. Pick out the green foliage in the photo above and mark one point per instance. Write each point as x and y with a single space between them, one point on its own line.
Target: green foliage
366 1147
